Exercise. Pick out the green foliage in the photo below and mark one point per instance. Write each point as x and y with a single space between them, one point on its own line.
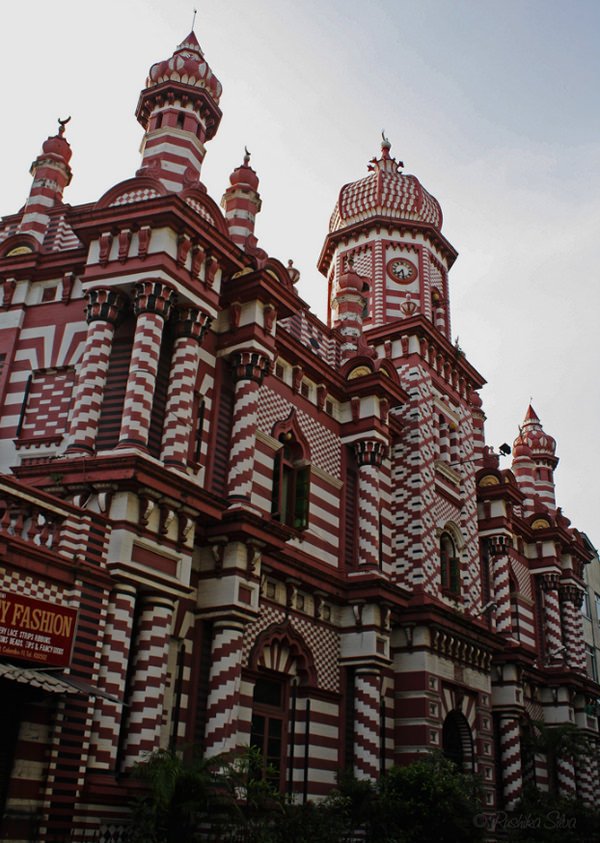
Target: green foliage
428 800
227 799
545 818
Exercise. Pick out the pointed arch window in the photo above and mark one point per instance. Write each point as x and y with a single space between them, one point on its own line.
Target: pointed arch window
291 485
291 477
449 565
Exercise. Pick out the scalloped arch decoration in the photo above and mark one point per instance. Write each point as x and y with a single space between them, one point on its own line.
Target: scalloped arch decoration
282 649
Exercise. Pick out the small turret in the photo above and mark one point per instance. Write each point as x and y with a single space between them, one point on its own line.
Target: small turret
535 458
51 174
241 203
349 305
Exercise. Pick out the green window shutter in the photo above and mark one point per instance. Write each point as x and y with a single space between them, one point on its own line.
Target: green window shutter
276 490
302 497
454 576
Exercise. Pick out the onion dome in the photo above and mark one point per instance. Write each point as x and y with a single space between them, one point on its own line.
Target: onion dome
385 192
532 436
58 145
188 66
244 175
475 400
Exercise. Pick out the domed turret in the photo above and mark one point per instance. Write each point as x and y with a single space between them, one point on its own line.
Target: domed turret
531 434
386 192
391 227
179 109
534 460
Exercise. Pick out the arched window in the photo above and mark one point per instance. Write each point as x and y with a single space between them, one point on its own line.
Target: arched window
449 565
291 484
457 741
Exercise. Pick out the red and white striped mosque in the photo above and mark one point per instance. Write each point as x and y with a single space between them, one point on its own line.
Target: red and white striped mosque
224 522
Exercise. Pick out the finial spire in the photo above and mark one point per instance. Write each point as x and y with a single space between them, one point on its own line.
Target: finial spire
62 124
194 19
246 156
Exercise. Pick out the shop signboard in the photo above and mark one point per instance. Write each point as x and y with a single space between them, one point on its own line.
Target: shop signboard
35 630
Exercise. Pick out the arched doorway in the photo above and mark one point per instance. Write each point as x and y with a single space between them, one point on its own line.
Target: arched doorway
457 741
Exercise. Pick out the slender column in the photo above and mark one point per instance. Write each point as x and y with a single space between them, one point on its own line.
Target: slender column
565 773
103 311
584 771
222 708
510 754
152 305
501 579
369 456
552 622
571 599
595 772
112 676
146 699
249 369
190 327
367 723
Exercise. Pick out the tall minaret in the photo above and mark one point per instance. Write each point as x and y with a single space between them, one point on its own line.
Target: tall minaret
51 174
179 109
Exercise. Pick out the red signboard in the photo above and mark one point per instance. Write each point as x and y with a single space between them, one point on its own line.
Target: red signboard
36 631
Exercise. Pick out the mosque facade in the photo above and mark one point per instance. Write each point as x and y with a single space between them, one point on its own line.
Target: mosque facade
225 522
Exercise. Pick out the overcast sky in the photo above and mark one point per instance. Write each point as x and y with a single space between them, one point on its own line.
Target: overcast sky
492 105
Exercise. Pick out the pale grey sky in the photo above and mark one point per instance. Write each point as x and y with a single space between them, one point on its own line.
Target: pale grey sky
492 105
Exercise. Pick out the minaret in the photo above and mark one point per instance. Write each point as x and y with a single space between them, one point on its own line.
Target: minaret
544 460
349 306
241 203
51 174
179 109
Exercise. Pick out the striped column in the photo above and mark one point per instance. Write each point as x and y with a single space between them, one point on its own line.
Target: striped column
500 575
108 715
510 754
367 724
369 456
222 708
103 311
565 774
152 305
571 598
190 327
146 698
249 369
552 620
584 771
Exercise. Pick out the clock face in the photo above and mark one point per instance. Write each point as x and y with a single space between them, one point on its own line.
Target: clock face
402 270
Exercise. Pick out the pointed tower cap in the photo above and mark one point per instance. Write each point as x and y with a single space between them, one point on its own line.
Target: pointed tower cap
532 434
186 66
